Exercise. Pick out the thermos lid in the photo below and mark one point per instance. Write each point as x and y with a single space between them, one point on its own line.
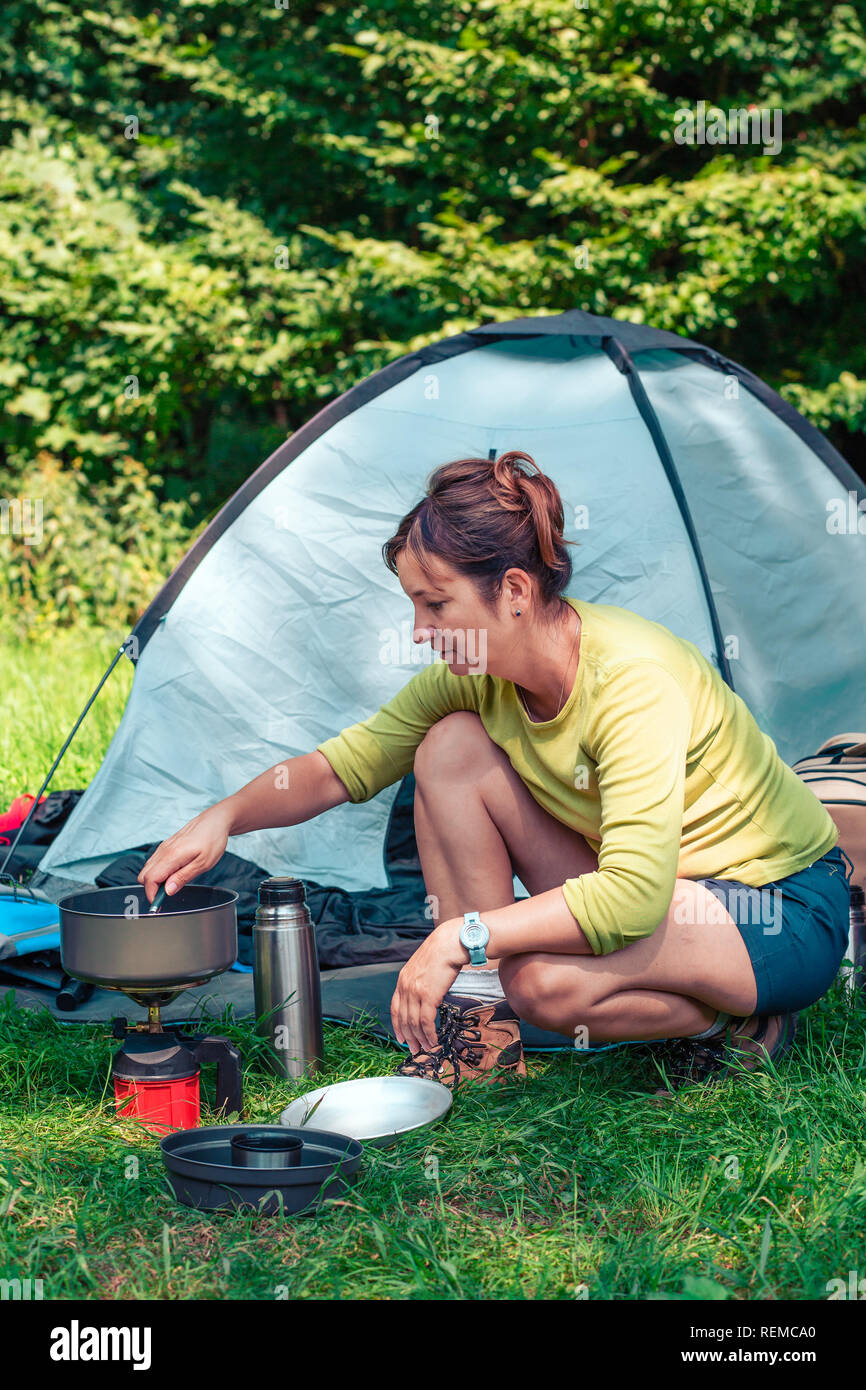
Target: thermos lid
275 891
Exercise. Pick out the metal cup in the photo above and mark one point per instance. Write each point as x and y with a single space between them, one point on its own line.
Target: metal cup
262 1150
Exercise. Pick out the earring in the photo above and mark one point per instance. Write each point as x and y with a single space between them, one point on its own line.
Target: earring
517 613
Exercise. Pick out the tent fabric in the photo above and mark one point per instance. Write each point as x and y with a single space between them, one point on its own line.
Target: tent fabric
282 625
762 508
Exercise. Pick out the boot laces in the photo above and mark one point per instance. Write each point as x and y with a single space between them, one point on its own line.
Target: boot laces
687 1060
456 1037
460 1037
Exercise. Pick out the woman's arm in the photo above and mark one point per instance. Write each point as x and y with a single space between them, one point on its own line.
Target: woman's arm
288 793
355 764
641 742
544 922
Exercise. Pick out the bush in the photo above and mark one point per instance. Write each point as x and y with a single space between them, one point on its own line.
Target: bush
74 552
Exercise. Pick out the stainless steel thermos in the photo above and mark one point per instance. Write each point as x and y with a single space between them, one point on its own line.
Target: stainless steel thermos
286 978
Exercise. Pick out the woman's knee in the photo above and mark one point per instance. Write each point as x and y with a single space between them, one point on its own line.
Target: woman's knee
452 746
528 983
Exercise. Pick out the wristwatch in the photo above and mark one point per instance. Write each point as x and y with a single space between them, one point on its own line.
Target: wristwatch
474 935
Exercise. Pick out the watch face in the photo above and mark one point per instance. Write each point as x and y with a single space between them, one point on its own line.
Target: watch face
475 935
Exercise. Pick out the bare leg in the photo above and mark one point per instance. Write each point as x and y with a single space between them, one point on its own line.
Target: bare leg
477 824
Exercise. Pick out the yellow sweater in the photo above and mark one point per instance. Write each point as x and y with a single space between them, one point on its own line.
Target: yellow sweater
653 759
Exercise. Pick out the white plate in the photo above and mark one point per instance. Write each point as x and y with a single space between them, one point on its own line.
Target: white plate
374 1109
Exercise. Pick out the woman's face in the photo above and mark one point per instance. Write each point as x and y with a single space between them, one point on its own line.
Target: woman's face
450 614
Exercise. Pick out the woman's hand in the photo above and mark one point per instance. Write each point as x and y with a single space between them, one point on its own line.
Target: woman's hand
422 984
191 851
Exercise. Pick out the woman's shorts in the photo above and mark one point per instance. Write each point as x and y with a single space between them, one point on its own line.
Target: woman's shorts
795 930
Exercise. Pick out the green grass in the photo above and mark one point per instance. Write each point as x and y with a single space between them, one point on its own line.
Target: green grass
575 1183
43 688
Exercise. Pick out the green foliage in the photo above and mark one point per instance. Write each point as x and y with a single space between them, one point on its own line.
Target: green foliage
215 217
76 552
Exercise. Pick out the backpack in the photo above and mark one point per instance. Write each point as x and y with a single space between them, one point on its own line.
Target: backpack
15 817
45 823
837 776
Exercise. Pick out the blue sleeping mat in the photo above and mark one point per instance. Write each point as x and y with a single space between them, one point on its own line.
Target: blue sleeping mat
27 923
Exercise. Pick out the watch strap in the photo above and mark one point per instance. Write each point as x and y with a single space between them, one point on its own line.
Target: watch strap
477 954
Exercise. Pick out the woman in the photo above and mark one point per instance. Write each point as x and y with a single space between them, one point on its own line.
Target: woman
684 883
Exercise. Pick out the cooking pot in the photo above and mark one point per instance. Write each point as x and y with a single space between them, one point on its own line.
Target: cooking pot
108 938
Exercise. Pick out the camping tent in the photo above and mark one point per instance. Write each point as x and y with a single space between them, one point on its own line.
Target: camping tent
699 499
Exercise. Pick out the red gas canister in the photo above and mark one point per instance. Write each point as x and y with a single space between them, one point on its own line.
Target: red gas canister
161 1106
156 1077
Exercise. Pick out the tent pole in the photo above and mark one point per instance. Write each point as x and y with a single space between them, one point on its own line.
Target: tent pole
121 651
624 364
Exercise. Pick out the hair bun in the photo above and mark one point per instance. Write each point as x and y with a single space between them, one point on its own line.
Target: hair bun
511 480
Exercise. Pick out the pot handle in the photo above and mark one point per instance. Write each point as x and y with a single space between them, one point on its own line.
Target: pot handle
229 1093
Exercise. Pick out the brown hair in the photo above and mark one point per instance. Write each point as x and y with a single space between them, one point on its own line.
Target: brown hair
486 516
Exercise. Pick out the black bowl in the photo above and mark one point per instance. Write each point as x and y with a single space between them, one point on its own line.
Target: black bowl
202 1173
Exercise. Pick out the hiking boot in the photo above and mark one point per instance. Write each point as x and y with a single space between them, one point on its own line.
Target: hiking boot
709 1061
478 1041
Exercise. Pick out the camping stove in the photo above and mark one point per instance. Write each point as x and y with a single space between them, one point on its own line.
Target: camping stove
109 938
156 1073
